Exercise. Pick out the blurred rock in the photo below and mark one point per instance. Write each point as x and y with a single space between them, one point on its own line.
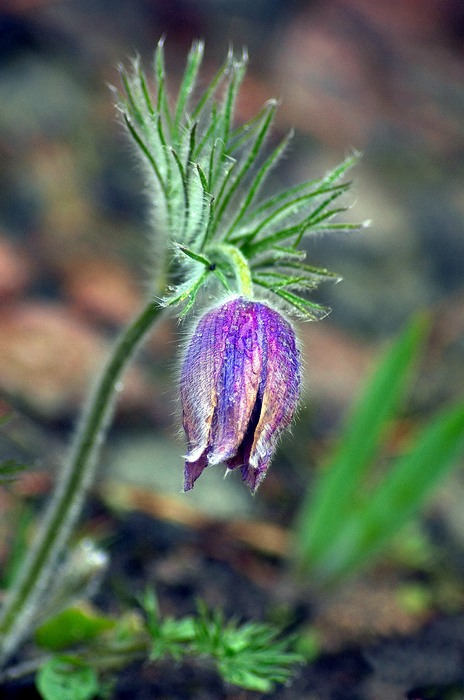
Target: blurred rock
354 71
336 363
103 289
361 611
156 463
14 271
48 359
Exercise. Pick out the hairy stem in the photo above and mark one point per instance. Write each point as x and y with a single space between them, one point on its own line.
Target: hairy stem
236 261
29 589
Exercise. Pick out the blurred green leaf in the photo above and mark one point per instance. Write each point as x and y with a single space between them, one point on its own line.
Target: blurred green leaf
402 491
321 524
72 626
66 678
10 469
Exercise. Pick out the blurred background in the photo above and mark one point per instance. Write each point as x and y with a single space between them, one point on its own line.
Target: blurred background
385 78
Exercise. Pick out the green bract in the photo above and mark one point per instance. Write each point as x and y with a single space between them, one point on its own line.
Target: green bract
206 178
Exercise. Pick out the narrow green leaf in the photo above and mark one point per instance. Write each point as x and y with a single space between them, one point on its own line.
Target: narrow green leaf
401 493
237 73
340 170
194 60
343 227
285 254
188 290
182 212
307 309
258 181
203 180
162 138
323 515
317 272
23 522
241 140
286 195
145 91
321 213
194 256
202 108
247 165
226 166
143 147
289 209
205 144
244 678
270 241
191 296
215 158
223 279
281 280
131 104
162 105
310 189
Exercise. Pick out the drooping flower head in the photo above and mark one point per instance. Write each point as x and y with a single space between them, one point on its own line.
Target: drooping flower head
239 388
225 231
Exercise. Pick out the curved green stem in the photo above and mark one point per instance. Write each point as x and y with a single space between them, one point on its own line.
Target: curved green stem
235 259
28 590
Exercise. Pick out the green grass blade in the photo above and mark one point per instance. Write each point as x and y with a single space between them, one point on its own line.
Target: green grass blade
401 493
323 515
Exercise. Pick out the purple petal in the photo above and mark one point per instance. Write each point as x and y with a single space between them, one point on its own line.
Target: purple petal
192 470
199 381
280 393
238 382
239 388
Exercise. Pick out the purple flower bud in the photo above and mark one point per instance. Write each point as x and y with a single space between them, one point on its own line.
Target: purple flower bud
239 388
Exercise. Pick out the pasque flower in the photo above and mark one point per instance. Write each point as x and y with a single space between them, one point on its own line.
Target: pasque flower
239 388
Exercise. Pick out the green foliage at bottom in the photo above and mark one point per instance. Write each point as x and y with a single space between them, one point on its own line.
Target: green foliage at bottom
66 677
251 655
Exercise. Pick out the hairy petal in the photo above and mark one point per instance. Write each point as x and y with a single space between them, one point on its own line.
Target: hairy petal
239 379
199 381
280 393
239 388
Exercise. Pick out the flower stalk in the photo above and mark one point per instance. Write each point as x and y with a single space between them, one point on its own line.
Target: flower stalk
26 595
